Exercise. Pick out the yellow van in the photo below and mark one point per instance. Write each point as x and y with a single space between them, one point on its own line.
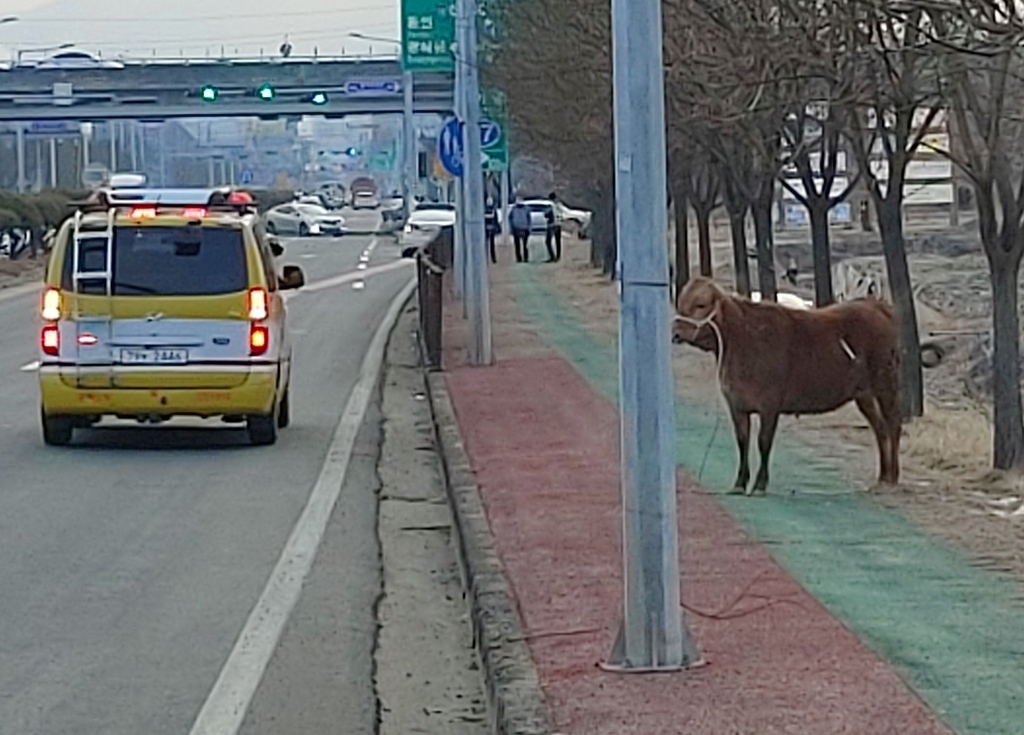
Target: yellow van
163 303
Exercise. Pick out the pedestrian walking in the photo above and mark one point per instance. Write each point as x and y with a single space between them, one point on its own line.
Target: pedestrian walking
492 227
520 221
553 215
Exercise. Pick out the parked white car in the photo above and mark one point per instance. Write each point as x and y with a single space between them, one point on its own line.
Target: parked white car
424 222
539 208
303 220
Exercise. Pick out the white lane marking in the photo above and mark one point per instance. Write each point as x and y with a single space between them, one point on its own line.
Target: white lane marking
307 256
354 276
364 258
16 291
226 705
30 367
362 266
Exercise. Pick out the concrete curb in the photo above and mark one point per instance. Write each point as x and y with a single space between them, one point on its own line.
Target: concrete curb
515 700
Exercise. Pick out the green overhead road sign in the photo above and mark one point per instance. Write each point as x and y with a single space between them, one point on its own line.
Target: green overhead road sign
428 35
494 110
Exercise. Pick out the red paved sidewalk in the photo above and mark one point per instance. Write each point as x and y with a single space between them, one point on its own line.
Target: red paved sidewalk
543 447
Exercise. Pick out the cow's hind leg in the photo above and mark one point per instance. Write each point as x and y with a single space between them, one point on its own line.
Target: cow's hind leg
869 406
889 404
765 438
741 423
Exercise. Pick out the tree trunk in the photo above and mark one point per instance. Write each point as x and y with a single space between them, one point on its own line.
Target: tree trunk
821 249
762 211
1008 440
737 226
707 268
890 224
682 242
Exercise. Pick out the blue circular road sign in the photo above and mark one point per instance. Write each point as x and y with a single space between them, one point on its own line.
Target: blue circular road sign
449 147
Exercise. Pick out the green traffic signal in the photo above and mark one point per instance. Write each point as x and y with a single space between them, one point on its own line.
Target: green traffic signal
209 93
266 92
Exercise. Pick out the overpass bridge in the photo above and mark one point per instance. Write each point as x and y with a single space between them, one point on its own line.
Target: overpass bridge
159 90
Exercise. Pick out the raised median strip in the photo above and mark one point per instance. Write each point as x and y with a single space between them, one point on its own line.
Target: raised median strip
516 702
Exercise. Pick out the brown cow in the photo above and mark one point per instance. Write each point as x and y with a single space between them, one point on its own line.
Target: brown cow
773 360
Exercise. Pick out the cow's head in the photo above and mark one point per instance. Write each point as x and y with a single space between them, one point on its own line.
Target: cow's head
696 306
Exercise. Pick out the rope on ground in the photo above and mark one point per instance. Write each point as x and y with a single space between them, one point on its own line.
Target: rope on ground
709 320
723 613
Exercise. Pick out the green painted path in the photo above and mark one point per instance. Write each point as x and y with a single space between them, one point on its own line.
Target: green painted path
953 631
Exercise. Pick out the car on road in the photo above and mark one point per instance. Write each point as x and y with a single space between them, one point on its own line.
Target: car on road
333 195
165 303
303 220
424 222
365 200
76 59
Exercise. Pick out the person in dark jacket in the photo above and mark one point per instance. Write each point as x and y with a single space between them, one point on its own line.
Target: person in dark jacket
492 227
554 230
519 218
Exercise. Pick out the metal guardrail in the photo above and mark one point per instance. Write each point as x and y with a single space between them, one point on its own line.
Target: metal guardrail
432 261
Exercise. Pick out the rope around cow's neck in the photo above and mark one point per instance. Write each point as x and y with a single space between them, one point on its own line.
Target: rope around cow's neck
709 321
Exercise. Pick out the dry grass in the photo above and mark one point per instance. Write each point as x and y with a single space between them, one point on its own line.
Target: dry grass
948 487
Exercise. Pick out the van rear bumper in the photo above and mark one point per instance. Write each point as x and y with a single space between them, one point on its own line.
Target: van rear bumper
255 395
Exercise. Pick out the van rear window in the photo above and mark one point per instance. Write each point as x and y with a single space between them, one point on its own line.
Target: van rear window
166 261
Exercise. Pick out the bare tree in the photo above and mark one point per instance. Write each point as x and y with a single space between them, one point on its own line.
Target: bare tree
892 65
984 71
814 138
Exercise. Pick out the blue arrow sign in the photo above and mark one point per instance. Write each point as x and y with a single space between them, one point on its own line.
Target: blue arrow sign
450 148
373 87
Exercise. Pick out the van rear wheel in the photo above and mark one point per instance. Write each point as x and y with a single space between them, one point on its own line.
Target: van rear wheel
284 411
262 430
57 430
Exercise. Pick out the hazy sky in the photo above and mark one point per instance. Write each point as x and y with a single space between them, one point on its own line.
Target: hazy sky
198 27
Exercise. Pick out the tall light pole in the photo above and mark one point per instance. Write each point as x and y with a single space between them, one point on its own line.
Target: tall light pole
478 298
654 636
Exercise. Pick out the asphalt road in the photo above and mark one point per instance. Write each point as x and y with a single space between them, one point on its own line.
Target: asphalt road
130 561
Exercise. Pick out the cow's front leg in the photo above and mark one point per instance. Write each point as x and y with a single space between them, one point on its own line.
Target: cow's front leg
741 423
765 437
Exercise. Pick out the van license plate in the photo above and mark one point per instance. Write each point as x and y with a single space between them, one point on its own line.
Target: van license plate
154 357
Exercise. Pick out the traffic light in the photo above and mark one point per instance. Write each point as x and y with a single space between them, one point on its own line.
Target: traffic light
319 98
209 93
266 92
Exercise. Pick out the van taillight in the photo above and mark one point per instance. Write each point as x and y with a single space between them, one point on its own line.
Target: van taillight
51 305
257 304
259 340
50 340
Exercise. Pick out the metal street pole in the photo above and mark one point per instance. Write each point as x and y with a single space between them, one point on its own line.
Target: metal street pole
480 352
459 256
409 142
506 177
53 162
653 634
20 135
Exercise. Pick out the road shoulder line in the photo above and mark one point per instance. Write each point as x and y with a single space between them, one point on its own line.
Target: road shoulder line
226 706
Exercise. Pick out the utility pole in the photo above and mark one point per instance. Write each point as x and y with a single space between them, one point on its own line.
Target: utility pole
459 256
409 147
20 135
478 296
653 636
